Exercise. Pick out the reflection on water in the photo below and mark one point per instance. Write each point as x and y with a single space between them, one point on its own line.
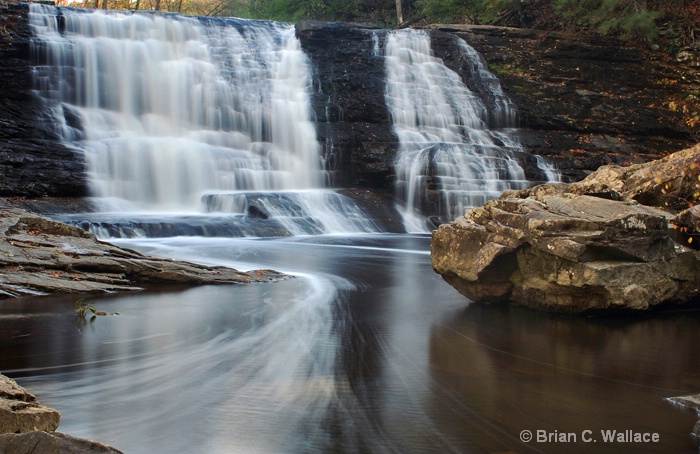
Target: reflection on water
510 369
367 350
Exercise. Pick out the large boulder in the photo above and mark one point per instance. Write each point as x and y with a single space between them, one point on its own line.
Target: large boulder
579 247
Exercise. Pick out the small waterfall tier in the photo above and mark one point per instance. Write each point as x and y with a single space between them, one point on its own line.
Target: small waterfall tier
457 146
167 109
237 214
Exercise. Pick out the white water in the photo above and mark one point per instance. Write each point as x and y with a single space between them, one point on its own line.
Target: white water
166 108
456 151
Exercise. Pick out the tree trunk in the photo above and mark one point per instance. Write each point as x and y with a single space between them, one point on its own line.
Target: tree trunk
399 12
157 5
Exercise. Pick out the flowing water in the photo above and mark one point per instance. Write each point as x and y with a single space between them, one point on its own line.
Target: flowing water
365 350
457 149
171 112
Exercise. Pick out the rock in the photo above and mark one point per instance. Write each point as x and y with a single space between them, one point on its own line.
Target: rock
586 101
691 402
33 161
42 256
20 412
553 247
671 182
50 443
353 121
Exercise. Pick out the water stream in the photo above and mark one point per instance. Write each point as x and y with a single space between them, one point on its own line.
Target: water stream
456 148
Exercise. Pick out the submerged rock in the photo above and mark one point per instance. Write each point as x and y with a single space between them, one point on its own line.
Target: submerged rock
579 247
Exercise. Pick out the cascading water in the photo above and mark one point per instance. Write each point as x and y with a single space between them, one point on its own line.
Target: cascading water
167 108
456 149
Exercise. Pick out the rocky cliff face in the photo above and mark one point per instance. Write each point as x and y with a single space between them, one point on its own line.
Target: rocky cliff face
33 162
353 122
586 101
583 102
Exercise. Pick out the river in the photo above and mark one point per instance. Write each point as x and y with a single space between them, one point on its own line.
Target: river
366 350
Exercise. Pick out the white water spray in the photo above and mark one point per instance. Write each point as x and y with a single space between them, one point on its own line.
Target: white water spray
449 159
167 108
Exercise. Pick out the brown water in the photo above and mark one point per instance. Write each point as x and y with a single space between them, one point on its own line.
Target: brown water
367 351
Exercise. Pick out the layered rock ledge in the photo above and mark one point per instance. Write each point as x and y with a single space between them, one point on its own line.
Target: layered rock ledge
42 256
592 245
29 427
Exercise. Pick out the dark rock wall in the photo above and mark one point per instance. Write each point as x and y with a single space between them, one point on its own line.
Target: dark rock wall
33 162
353 121
587 101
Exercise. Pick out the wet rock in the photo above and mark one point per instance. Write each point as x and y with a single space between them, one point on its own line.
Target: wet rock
353 122
586 101
20 411
566 248
42 256
50 443
691 402
33 161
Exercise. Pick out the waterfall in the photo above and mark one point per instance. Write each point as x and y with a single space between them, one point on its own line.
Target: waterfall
167 109
457 148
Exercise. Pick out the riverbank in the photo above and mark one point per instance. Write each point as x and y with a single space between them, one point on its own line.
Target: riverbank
39 256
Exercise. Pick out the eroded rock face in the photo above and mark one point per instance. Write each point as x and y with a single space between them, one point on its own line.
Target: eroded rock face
42 256
26 427
20 411
554 247
51 443
33 160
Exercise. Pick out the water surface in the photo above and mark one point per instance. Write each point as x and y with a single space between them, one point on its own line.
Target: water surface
366 350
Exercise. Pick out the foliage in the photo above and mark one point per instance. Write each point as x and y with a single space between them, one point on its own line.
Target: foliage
627 18
80 309
631 17
470 11
296 10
